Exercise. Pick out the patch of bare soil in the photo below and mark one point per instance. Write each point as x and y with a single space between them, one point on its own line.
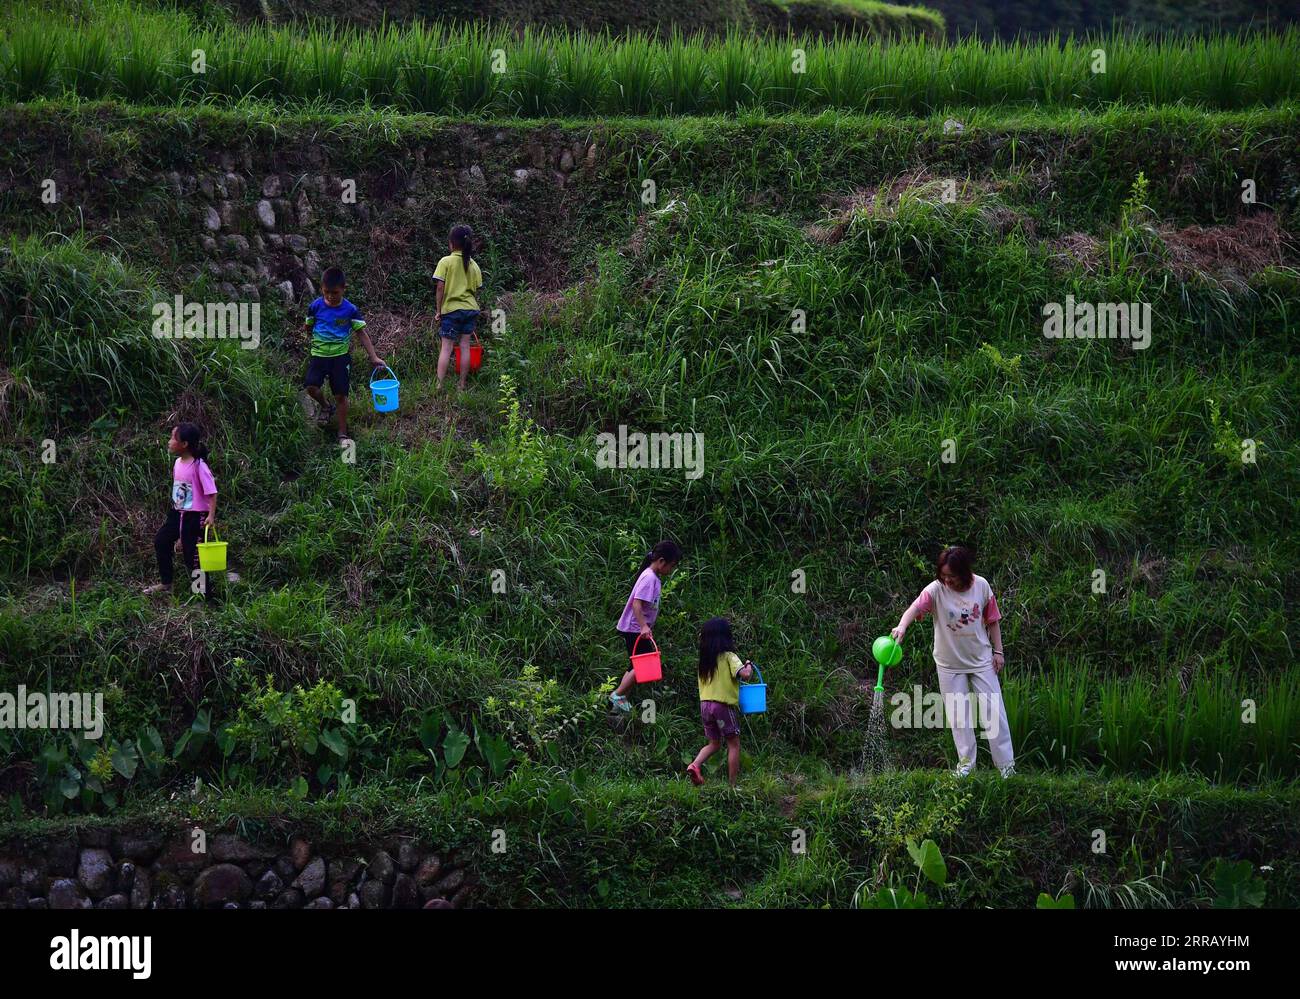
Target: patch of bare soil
1226 254
1079 248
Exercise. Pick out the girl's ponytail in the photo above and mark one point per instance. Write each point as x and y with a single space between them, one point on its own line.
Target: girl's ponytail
669 551
192 435
462 238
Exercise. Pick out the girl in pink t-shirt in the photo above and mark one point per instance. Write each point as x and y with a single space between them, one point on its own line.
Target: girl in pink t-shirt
642 608
967 655
193 503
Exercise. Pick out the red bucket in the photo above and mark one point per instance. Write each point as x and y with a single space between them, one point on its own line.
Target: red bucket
475 355
647 666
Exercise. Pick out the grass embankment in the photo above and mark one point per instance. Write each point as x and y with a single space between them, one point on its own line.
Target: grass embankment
571 839
147 57
823 454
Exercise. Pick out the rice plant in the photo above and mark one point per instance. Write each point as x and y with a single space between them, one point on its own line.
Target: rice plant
87 64
544 72
426 72
31 61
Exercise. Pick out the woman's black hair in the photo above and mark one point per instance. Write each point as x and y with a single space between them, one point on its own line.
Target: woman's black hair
715 639
462 238
666 550
960 559
192 435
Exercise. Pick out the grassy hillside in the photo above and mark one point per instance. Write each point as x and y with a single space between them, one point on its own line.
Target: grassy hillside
837 319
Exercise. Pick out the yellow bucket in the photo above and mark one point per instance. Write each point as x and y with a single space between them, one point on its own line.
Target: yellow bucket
212 554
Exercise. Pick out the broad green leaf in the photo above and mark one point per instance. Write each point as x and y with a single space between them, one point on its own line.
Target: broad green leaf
430 726
1236 887
454 747
335 742
928 858
125 759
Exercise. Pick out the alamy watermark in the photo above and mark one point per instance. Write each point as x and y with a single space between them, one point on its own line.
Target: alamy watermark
181 320
1101 321
653 450
919 709
35 709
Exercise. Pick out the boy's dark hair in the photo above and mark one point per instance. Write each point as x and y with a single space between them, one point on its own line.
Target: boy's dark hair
666 550
960 561
333 278
715 639
192 435
462 238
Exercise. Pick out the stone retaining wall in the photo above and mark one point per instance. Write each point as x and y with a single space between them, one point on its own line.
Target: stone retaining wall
98 869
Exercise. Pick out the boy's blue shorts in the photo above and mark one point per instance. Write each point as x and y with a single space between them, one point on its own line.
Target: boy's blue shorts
460 323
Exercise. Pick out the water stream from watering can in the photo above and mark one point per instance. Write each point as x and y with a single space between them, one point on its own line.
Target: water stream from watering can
875 750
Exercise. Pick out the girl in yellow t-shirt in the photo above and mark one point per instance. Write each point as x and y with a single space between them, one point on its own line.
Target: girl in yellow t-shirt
458 280
719 679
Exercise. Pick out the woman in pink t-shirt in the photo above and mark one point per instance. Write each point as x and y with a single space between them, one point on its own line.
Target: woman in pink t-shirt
193 503
967 655
641 609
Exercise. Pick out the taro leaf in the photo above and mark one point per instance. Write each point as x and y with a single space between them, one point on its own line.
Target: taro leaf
323 773
454 747
225 740
1045 901
151 747
429 728
125 758
495 750
202 722
335 742
70 786
928 858
298 789
1235 886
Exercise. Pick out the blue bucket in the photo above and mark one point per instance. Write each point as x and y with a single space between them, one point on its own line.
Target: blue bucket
753 696
384 391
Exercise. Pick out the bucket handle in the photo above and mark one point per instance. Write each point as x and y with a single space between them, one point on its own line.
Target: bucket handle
638 640
382 367
206 528
758 671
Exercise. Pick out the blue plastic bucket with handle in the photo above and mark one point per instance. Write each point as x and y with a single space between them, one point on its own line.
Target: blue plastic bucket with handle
384 391
753 696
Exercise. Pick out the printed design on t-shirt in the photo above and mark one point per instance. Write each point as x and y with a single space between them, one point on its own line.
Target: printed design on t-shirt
182 496
963 615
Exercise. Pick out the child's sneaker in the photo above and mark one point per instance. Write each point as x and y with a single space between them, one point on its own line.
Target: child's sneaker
693 771
1008 771
620 703
325 414
963 770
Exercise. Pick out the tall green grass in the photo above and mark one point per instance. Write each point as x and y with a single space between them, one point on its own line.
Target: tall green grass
142 56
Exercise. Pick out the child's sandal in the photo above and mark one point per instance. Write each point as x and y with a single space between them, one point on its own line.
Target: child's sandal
693 771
